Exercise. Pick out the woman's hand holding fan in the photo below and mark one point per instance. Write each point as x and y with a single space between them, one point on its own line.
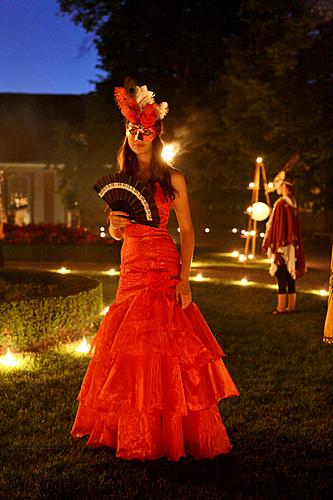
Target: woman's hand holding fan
117 219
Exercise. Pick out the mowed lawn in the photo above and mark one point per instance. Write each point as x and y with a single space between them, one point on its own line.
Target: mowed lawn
280 425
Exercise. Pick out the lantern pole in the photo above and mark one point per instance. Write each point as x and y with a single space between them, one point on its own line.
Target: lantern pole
251 236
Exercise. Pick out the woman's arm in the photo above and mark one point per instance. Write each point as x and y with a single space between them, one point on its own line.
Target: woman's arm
182 208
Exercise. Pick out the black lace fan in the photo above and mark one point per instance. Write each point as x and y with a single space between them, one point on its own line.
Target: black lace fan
125 193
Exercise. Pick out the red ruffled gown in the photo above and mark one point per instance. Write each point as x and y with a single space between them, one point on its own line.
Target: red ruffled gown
153 383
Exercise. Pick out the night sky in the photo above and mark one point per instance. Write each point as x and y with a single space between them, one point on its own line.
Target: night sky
42 52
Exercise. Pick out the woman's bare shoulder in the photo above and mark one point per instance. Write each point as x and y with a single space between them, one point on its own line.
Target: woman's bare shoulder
177 177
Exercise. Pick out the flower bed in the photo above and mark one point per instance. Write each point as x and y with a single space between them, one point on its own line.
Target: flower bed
38 308
52 234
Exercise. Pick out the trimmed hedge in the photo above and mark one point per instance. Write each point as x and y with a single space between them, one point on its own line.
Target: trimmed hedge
67 304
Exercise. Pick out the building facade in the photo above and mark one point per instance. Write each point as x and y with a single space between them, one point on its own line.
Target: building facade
30 192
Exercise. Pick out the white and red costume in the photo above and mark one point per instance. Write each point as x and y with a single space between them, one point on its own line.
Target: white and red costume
283 239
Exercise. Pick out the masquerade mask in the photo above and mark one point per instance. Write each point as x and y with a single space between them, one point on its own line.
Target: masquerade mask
139 133
138 106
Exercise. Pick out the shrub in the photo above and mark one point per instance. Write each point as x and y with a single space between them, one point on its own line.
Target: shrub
64 306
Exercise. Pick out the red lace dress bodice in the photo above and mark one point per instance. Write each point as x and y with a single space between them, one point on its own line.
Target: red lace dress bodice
156 374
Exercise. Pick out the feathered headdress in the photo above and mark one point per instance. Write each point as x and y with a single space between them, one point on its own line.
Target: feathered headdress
281 176
137 104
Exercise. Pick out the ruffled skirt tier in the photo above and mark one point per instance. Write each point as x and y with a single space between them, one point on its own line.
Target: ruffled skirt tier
155 378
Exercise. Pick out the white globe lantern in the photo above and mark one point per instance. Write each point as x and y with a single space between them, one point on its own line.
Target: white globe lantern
260 211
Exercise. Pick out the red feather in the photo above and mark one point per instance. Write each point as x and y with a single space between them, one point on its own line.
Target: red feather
128 106
149 115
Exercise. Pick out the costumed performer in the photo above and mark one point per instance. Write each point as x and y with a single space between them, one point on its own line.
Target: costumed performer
156 373
283 243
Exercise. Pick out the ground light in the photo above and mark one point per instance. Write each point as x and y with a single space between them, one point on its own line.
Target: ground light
111 272
63 270
9 359
243 281
105 311
199 277
84 347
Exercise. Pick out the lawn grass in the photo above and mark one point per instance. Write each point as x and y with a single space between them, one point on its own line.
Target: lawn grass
280 425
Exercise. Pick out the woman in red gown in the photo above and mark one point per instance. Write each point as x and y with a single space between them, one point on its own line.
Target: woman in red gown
156 373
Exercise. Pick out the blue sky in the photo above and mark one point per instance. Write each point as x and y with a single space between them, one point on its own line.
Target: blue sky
42 52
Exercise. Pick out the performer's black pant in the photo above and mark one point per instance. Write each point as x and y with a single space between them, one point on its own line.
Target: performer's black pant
285 280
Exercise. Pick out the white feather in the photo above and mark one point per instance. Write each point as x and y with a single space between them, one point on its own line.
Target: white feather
163 109
144 96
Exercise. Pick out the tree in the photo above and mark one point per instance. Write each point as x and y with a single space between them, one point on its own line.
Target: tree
243 78
174 46
276 94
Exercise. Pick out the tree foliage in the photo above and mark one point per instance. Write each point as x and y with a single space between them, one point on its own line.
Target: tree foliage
242 77
160 43
277 93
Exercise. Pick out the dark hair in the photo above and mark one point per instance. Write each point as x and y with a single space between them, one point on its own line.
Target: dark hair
160 169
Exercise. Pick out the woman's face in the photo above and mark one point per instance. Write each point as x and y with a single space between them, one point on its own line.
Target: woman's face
140 139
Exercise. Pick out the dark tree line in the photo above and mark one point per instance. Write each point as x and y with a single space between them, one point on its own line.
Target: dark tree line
243 78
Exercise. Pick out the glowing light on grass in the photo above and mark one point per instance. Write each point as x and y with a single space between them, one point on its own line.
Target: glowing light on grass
112 272
243 231
249 210
244 282
323 293
168 152
102 235
262 235
253 233
234 230
242 257
251 185
9 359
207 230
199 277
235 253
270 185
84 347
259 159
63 270
178 230
250 256
105 310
